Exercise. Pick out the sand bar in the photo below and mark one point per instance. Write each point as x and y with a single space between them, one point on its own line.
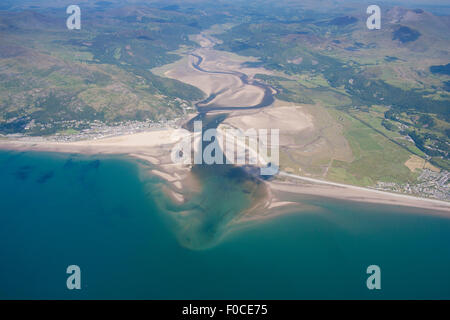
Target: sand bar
315 187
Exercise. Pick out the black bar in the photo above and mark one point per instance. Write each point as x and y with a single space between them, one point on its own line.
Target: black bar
242 309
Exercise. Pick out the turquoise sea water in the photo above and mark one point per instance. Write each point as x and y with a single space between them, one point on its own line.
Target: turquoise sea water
101 214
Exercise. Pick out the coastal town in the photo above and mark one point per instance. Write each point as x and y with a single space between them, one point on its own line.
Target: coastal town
430 184
94 130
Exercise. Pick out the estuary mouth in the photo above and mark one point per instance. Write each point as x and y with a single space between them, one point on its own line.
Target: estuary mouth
206 216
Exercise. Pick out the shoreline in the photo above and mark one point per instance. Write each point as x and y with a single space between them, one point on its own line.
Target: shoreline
328 189
337 184
153 148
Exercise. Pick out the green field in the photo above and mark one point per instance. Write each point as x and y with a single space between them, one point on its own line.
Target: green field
376 158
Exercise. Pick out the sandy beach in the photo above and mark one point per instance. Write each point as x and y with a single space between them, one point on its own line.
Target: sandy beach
154 148
308 186
133 144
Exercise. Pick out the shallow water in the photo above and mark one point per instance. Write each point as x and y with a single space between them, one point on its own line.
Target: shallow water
104 214
203 219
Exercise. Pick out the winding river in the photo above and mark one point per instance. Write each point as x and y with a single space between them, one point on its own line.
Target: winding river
265 102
